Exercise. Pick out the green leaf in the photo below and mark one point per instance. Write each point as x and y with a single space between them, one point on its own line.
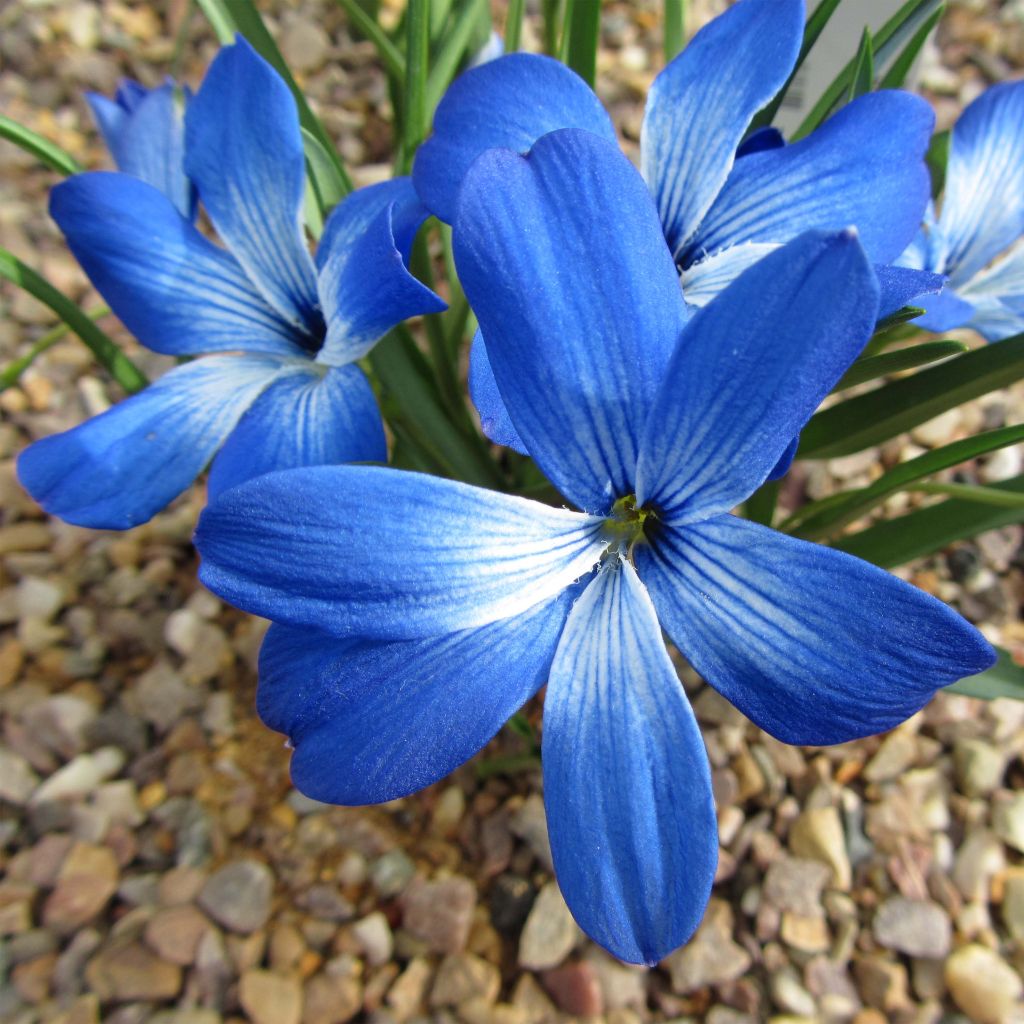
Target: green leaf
874 417
674 27
514 25
43 150
937 158
581 36
900 67
901 316
230 16
871 367
11 373
928 530
390 56
760 506
972 492
551 10
328 186
821 518
864 68
121 368
451 54
417 57
1004 679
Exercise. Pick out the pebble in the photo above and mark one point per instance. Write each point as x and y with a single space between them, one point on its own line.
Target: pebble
795 884
79 776
896 754
463 977
407 994
87 880
1008 819
982 984
331 999
238 896
174 933
1013 906
127 970
979 766
818 835
391 872
576 989
305 45
270 998
373 933
529 822
712 957
17 779
919 928
440 913
550 932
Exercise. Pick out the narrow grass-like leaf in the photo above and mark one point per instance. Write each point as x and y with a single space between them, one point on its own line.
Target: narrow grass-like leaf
896 331
874 417
581 36
901 316
43 150
11 373
417 55
1004 679
454 49
760 506
917 534
323 174
674 27
514 25
937 159
864 68
822 518
551 12
390 55
875 366
897 73
121 368
230 16
972 492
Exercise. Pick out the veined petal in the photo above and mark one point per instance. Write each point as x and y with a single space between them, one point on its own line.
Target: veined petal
997 319
760 140
750 369
704 280
863 167
174 290
983 205
145 133
307 418
384 554
122 467
997 294
813 645
372 721
626 780
579 311
509 103
700 106
363 258
485 396
244 152
901 286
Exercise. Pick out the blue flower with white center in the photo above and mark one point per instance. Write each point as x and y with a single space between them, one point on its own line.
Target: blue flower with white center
292 394
144 129
976 240
413 615
723 202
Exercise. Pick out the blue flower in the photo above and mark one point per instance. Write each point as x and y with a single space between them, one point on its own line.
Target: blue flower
723 202
976 239
294 395
413 615
144 129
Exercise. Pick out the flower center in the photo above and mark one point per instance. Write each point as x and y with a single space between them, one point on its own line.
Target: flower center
626 524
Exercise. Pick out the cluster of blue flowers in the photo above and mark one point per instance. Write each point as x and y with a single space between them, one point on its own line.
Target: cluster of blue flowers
655 342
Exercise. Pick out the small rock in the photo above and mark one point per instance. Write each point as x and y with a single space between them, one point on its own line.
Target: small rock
17 780
550 932
918 928
162 697
238 895
87 880
61 723
38 598
806 934
511 897
896 754
448 812
575 989
982 984
711 957
174 933
79 776
326 903
128 971
530 824
331 999
440 912
373 933
406 995
978 765
1013 906
882 983
795 885
391 872
1008 819
623 986
979 857
305 45
463 977
790 996
270 998
818 835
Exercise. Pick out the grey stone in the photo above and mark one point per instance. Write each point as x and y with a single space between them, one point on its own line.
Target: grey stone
550 932
391 872
238 895
918 928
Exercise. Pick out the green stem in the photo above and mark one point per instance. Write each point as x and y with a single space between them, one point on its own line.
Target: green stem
121 368
514 25
11 373
674 28
391 57
417 55
44 150
446 63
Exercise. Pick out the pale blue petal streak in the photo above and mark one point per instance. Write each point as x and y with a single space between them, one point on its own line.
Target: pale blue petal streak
363 258
750 369
813 645
864 167
310 417
580 310
174 290
483 392
509 103
244 152
122 467
998 296
376 720
626 780
700 106
384 554
983 205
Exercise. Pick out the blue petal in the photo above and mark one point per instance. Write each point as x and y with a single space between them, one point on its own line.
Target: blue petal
997 319
626 779
374 721
945 311
120 468
785 460
699 107
760 140
703 280
983 205
813 645
308 418
362 258
145 134
997 294
244 151
580 311
509 103
483 392
174 290
864 167
750 369
384 554
901 286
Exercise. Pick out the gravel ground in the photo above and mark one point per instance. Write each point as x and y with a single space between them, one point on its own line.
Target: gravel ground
155 864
